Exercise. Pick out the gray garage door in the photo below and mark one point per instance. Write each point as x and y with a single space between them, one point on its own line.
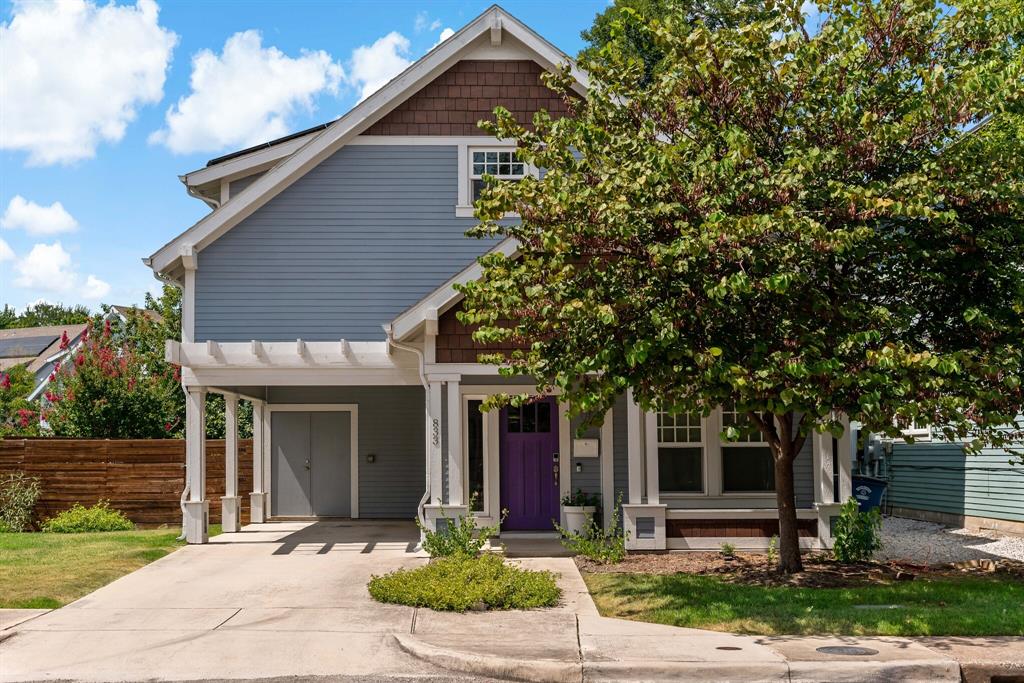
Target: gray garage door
311 463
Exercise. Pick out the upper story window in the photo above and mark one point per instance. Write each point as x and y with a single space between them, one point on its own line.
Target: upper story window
503 164
680 452
747 464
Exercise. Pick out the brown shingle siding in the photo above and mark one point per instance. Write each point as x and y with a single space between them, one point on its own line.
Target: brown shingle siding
455 101
455 341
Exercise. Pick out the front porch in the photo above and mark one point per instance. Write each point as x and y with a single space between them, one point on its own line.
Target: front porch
379 431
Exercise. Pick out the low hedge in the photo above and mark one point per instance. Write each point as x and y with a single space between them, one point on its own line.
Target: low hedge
79 519
460 583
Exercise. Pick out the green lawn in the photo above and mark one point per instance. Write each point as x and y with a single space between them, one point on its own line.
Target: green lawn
947 606
50 570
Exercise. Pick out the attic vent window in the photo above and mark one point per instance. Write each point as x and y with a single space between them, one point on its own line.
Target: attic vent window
500 164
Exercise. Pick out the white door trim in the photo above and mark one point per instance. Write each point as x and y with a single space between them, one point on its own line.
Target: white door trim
353 409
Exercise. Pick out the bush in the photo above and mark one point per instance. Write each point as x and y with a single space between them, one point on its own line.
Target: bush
458 537
459 583
596 544
581 499
857 534
100 517
728 550
18 495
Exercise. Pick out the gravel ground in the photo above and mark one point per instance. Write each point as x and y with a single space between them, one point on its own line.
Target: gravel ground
920 542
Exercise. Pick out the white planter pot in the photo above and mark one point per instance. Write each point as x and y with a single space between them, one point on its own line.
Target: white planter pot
578 517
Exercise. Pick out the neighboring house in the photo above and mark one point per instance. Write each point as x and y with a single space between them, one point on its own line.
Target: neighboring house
934 480
321 289
38 349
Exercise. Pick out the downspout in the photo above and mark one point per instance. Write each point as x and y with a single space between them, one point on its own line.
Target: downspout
420 514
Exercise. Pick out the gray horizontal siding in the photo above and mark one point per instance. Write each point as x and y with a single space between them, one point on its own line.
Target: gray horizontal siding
236 186
589 480
940 477
343 250
391 428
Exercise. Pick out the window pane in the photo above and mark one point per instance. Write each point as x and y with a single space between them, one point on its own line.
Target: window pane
478 187
544 417
747 469
530 418
514 418
478 157
475 450
504 169
681 469
517 169
492 157
492 169
478 169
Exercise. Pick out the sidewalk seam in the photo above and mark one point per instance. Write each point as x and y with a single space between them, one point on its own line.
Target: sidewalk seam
579 648
412 624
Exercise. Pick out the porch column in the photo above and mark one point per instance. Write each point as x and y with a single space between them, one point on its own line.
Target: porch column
455 493
434 443
197 508
635 452
845 461
231 504
258 497
607 455
824 489
651 457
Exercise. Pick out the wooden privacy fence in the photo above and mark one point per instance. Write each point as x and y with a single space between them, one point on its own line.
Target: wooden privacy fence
143 478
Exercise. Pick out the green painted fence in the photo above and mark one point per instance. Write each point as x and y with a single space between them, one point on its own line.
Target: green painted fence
939 477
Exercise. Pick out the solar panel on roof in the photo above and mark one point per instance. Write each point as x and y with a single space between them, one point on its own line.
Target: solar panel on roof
23 347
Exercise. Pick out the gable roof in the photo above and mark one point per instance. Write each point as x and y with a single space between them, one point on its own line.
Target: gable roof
33 346
492 23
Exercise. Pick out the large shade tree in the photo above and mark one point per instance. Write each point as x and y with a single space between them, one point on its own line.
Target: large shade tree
810 226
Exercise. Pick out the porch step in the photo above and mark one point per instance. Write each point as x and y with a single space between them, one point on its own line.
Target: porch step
530 547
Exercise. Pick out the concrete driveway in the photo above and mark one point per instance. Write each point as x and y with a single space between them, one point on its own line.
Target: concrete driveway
281 599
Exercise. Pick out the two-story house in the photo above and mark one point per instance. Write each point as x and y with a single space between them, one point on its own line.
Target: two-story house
320 288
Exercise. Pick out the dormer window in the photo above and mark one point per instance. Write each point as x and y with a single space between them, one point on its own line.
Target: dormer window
502 164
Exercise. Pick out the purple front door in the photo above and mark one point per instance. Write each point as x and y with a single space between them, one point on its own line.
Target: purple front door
529 465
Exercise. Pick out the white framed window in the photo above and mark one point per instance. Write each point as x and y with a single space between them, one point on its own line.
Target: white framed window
681 452
502 164
747 463
475 464
475 161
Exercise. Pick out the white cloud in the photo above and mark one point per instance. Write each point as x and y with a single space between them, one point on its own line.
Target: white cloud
6 253
48 268
374 65
245 95
425 23
74 75
95 288
35 219
447 33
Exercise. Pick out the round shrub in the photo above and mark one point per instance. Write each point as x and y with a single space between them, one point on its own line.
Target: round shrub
459 583
99 517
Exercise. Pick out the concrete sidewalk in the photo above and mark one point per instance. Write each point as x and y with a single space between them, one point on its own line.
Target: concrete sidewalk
290 600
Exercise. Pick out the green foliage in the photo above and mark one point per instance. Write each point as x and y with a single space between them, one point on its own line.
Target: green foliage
79 519
727 550
857 535
18 415
459 583
624 24
594 542
42 313
581 499
798 225
773 551
18 495
458 537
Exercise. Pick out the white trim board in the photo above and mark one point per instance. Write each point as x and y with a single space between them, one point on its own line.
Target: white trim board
357 120
353 410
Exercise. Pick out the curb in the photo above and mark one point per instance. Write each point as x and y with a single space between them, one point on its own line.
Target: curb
905 671
490 666
636 670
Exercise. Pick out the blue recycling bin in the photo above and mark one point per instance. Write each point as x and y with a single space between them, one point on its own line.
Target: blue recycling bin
868 491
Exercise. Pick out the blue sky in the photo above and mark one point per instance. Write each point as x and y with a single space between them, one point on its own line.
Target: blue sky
89 158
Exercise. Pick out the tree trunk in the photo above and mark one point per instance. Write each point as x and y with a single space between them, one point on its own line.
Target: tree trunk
789 538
